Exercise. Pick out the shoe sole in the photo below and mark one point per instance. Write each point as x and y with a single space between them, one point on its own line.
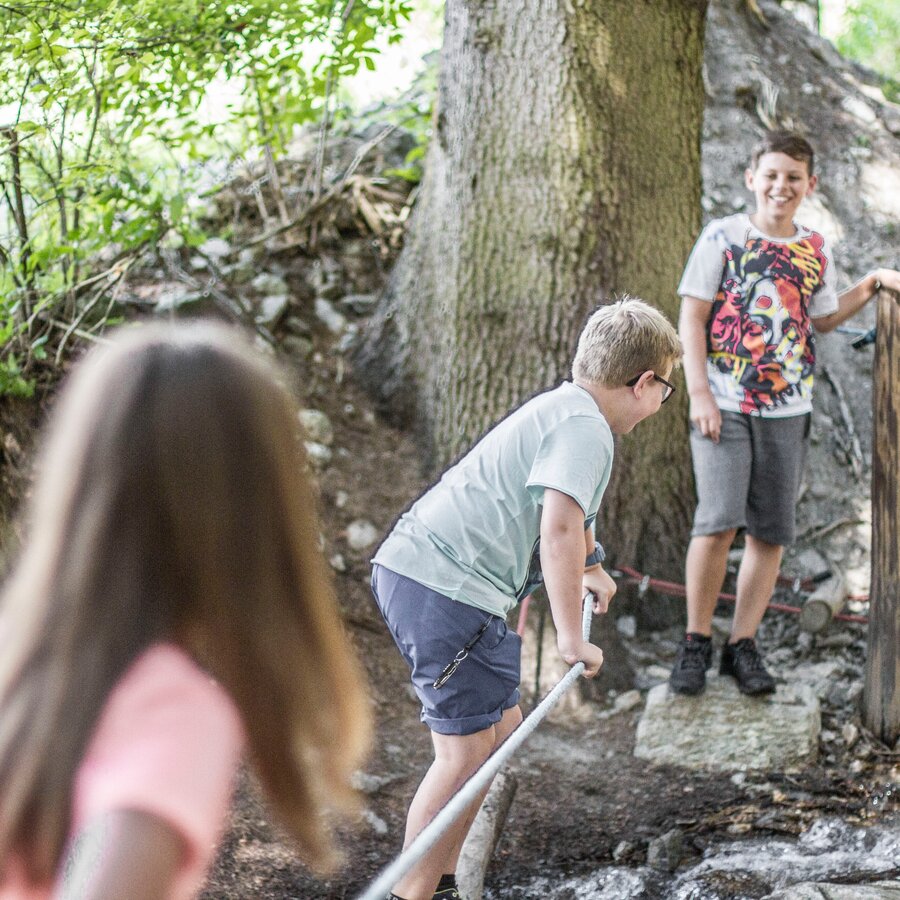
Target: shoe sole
749 692
686 691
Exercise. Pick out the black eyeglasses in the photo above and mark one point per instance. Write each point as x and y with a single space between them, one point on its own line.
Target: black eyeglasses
669 388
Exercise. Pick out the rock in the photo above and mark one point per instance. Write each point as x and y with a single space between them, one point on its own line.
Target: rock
360 304
810 562
626 701
334 321
859 109
269 283
338 563
271 308
818 890
216 248
296 325
178 300
319 455
294 345
623 850
626 626
371 784
317 426
379 826
725 731
665 852
850 734
361 534
340 499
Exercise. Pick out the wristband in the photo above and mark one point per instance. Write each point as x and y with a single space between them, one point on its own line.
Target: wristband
596 557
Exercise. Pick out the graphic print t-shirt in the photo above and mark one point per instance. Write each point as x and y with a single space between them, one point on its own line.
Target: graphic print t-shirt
764 290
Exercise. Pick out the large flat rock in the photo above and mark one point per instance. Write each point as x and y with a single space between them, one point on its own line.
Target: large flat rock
879 890
725 731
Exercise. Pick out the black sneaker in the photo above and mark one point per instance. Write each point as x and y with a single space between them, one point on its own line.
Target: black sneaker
742 661
694 658
447 889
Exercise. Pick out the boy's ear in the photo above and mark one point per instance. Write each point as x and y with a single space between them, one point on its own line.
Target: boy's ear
813 181
748 179
642 383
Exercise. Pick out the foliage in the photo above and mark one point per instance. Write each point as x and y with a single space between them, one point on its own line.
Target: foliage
871 35
107 117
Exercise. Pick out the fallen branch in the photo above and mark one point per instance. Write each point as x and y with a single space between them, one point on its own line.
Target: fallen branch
819 531
854 451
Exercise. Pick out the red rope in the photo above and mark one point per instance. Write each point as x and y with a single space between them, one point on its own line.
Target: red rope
674 589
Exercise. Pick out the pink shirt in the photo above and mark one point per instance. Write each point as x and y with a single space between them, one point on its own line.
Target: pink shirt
168 743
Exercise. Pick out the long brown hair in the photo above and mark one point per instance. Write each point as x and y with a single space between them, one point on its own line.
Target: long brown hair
172 503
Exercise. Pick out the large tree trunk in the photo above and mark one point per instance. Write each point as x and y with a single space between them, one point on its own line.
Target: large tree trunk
564 170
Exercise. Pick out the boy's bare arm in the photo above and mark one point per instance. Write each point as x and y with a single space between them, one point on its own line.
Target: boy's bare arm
855 298
562 562
704 411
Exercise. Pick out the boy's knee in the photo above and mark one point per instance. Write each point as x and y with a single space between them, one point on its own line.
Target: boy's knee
464 751
718 538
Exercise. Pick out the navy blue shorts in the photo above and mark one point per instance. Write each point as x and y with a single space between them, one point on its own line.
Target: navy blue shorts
430 629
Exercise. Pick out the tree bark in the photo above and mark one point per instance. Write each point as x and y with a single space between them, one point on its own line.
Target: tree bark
564 170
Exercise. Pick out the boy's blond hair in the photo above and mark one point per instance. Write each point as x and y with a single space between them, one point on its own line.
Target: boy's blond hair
624 339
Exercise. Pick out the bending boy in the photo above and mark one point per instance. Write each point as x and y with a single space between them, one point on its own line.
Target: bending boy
517 509
752 290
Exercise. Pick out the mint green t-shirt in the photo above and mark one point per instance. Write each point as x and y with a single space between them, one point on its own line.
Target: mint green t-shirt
475 535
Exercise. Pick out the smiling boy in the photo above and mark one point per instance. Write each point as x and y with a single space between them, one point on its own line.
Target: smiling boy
752 290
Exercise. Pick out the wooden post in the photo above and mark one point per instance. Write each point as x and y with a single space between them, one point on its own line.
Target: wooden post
824 603
881 698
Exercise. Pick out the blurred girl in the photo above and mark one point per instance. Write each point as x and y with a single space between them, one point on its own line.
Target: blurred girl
170 606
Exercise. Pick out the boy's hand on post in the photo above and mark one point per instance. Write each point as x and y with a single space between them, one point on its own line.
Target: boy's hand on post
598 582
888 278
705 415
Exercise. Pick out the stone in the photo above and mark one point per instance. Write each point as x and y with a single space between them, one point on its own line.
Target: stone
818 890
370 784
665 852
317 426
850 734
626 626
295 345
379 826
175 299
859 109
216 248
361 534
723 730
338 563
626 701
319 455
334 321
271 308
269 283
360 304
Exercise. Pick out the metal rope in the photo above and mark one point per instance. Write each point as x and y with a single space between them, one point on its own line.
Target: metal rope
461 801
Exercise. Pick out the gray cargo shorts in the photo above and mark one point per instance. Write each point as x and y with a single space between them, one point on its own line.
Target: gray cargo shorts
751 478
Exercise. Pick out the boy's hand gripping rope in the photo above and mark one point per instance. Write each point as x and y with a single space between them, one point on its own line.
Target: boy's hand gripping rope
461 801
